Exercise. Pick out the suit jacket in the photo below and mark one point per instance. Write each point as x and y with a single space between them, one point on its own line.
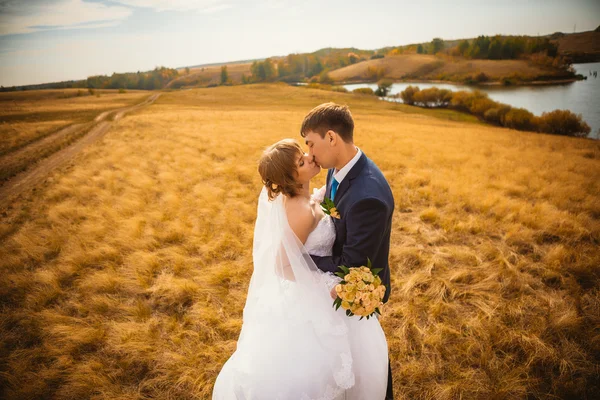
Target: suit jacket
366 205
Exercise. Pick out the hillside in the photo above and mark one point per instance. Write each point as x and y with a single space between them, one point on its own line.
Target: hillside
429 67
580 47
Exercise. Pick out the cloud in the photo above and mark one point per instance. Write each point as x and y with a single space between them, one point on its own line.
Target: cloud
204 6
33 16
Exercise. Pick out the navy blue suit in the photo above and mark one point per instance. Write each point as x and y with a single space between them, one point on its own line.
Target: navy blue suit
366 205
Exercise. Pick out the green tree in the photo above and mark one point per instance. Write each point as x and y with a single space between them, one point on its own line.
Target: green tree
495 50
224 75
463 48
324 78
437 45
420 49
480 47
262 71
383 87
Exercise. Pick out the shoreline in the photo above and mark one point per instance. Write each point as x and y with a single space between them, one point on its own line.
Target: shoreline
458 83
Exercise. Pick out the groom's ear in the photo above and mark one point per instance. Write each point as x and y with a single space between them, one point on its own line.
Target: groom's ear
331 136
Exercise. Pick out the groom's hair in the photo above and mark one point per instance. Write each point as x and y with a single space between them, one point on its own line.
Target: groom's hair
329 116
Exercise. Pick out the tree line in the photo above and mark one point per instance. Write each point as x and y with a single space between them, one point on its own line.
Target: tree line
150 80
496 47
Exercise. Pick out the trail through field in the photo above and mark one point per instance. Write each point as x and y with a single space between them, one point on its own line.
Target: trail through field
38 171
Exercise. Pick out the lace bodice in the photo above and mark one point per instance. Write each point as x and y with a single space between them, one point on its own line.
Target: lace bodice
320 240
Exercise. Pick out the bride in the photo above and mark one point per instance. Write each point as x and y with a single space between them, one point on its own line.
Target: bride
293 344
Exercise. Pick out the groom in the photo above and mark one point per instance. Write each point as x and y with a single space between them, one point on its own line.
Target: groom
360 192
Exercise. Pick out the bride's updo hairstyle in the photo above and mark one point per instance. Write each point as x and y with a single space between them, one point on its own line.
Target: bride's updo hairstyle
277 168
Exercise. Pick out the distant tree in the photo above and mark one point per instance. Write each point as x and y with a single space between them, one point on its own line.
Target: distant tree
480 47
187 70
316 68
262 71
420 49
324 78
283 69
437 45
495 49
463 47
353 57
224 75
383 87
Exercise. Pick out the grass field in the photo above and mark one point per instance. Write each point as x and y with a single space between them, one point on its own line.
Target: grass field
31 115
125 275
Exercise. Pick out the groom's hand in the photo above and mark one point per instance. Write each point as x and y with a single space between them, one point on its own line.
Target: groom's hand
333 293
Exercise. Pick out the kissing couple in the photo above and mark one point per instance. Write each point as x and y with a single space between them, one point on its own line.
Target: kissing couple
294 342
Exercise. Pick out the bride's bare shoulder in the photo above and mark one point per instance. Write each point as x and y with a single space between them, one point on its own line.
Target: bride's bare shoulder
300 216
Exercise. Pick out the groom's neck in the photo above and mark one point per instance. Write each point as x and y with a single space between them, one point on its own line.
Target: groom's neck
347 153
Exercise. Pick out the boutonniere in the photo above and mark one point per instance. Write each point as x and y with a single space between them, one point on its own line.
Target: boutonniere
328 207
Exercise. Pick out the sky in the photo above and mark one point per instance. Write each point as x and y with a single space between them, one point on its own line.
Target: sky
56 40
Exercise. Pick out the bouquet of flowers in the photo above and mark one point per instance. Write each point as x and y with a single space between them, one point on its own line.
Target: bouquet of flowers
360 292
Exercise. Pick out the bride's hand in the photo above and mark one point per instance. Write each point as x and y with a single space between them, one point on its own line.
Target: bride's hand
333 293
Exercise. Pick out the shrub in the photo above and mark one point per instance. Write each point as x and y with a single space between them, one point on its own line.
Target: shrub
482 77
376 56
461 100
433 97
519 118
563 122
339 89
92 91
353 57
480 105
496 115
408 94
368 91
122 90
374 73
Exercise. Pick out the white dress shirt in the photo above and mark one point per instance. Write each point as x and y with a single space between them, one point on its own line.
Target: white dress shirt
341 174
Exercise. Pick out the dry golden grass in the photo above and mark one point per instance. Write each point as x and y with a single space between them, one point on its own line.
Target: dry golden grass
126 276
582 42
30 115
422 66
395 67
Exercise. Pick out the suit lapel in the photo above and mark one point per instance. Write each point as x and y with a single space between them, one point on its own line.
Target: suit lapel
347 181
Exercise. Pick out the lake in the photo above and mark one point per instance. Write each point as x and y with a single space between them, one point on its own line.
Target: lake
581 97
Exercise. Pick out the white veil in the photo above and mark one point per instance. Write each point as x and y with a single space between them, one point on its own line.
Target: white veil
293 344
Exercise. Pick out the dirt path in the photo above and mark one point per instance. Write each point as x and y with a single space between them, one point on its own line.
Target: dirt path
40 170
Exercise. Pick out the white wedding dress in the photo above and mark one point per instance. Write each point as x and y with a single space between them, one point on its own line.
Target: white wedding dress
293 344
